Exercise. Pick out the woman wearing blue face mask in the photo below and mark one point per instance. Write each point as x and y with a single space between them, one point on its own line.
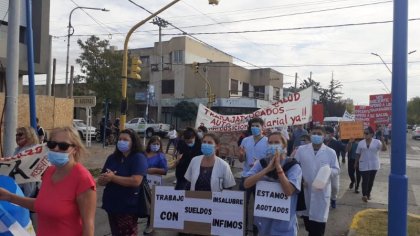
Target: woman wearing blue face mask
66 201
188 148
209 172
122 175
157 165
276 167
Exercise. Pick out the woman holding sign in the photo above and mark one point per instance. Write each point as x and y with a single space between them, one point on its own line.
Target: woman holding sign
66 202
157 165
209 172
276 167
122 175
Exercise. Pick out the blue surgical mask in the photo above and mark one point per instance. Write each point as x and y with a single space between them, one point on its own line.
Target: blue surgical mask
154 147
255 131
272 148
191 144
207 149
123 146
317 139
58 159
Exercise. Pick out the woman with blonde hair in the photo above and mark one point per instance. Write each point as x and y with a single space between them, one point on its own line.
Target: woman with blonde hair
66 202
26 137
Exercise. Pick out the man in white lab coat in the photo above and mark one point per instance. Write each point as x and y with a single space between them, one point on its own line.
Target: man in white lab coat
312 157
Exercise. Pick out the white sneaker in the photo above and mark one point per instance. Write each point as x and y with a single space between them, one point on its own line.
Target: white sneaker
148 230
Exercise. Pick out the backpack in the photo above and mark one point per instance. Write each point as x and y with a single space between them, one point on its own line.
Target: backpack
301 205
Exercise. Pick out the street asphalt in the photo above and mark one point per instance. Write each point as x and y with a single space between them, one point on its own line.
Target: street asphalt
348 203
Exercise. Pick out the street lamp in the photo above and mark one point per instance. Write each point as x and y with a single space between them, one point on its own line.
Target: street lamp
68 40
124 103
386 87
375 54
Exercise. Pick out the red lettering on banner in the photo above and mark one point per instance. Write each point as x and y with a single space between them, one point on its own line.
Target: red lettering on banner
40 168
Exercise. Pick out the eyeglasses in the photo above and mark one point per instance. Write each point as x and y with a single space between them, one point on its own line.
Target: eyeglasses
19 134
62 146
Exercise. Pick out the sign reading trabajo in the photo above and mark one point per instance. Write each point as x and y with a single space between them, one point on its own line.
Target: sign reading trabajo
351 129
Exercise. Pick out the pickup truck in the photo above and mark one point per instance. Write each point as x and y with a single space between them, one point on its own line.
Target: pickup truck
140 125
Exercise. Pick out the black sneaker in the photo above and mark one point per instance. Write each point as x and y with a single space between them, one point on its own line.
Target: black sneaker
356 191
351 185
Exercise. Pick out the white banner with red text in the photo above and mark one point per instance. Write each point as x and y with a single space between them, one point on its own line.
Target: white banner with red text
27 166
295 109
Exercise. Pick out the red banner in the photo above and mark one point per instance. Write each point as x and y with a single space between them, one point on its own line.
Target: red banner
380 108
318 113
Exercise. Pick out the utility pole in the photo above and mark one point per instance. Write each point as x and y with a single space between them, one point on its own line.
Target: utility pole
161 23
71 81
53 78
12 73
48 83
296 77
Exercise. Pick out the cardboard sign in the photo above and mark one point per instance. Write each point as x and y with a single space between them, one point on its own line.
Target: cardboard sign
351 129
207 213
154 180
271 201
295 109
27 166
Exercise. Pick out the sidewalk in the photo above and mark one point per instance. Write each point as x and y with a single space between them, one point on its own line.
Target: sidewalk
339 221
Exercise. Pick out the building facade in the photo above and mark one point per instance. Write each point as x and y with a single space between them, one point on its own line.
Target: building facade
41 39
237 89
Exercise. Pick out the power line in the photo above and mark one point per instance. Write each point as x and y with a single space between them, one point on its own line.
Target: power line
296 28
201 41
290 14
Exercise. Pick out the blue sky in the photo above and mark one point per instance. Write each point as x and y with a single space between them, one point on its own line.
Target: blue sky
288 51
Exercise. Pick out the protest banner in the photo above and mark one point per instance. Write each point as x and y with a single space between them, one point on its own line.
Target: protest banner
295 109
271 201
351 129
362 113
154 180
380 108
205 213
27 166
318 113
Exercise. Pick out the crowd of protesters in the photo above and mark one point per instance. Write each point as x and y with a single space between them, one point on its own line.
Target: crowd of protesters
293 158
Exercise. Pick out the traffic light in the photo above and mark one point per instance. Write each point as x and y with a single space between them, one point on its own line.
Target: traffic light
195 66
135 68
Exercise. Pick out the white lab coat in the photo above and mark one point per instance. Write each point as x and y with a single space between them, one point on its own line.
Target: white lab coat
317 201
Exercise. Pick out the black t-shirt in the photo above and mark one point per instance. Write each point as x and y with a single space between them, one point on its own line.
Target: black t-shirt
336 145
188 154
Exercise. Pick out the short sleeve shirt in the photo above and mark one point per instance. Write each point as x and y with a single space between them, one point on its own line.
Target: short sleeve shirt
267 226
254 150
369 156
158 161
117 198
56 204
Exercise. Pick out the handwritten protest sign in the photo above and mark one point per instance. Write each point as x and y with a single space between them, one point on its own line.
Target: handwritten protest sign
351 129
154 180
27 166
381 108
362 113
271 201
293 110
217 213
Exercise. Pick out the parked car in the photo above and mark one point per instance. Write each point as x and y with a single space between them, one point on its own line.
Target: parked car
151 128
416 133
82 129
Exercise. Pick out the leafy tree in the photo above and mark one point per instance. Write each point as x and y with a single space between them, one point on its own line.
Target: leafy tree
101 72
331 93
186 111
413 111
310 82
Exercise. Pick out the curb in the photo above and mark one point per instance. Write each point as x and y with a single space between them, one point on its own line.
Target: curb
359 215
